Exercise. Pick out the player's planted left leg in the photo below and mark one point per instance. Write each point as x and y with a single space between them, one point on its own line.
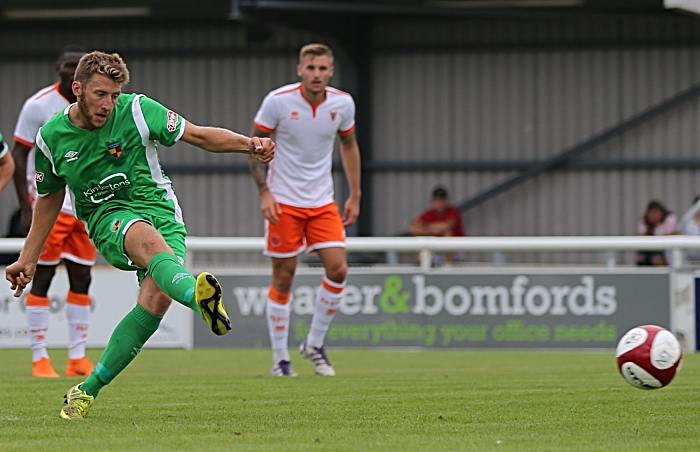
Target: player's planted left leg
124 345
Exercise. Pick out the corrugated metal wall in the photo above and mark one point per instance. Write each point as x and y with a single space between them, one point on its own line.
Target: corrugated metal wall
442 91
514 91
207 73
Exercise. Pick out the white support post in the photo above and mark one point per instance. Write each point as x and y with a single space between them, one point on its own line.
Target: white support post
498 259
426 259
676 258
392 258
610 260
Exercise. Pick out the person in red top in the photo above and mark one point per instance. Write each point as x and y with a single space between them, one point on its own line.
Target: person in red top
442 220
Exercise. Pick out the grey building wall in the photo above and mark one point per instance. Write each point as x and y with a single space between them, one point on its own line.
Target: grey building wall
472 92
209 74
510 92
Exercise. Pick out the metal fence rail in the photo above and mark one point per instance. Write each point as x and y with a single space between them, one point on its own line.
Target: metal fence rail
425 245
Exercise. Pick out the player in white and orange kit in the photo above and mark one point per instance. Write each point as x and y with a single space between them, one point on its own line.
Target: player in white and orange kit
297 197
68 241
7 164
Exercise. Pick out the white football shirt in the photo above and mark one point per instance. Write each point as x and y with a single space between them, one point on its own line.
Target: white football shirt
304 135
36 112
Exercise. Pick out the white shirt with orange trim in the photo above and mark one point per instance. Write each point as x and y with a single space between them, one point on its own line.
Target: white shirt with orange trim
304 135
36 112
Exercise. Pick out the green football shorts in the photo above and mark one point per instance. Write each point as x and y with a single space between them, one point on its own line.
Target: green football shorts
108 237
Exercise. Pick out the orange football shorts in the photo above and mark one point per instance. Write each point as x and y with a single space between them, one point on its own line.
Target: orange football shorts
302 228
68 240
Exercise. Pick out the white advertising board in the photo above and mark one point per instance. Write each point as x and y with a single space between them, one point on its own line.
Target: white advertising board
584 308
113 293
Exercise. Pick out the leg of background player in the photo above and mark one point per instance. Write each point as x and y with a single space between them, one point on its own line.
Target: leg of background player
278 312
78 316
37 309
328 298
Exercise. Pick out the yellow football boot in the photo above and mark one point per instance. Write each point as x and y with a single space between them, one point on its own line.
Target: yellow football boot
208 296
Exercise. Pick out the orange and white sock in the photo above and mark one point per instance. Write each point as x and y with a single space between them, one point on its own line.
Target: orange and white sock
328 298
78 317
277 312
37 309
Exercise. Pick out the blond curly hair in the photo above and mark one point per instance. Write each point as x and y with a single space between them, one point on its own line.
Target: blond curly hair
96 62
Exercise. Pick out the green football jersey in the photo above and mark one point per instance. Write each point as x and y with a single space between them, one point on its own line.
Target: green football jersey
3 147
111 167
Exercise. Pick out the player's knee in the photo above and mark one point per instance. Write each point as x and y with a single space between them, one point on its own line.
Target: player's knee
80 284
79 278
283 276
156 244
156 303
45 271
162 300
337 272
283 283
42 280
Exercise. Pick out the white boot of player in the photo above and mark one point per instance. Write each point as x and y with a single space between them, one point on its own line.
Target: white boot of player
318 356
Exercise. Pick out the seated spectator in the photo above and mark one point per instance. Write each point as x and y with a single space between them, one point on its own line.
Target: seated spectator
692 227
657 220
442 220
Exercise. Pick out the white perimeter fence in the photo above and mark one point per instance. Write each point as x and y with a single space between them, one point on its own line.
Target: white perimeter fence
113 292
426 245
675 244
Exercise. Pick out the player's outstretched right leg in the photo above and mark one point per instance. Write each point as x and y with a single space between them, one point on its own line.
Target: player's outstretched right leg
77 403
208 295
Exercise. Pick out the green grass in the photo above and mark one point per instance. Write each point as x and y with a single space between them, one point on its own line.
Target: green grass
224 399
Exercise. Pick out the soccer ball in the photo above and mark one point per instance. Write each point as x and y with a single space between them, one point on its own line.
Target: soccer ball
648 357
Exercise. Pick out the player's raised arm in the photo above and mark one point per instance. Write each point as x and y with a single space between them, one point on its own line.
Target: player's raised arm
215 139
46 212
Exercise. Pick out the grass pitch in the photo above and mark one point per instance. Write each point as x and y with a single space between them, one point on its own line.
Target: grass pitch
225 399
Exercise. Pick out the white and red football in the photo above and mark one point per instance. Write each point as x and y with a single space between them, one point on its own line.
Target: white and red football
648 357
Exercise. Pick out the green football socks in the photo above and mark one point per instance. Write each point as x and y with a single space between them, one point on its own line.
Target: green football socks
173 279
126 342
135 329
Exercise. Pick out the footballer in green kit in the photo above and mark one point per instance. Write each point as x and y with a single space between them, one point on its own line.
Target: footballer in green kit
113 174
103 150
